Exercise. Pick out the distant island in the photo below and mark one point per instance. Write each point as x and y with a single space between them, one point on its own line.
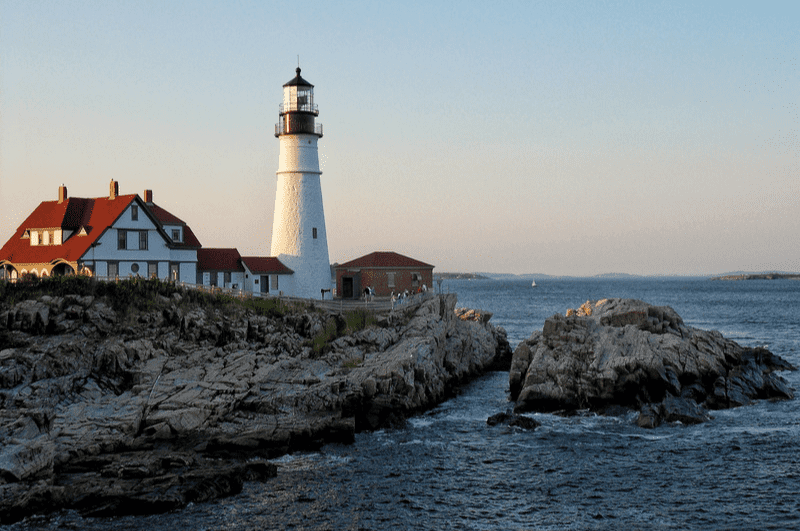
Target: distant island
760 276
459 276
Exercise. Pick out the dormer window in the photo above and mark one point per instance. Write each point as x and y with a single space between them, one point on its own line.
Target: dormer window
26 235
176 235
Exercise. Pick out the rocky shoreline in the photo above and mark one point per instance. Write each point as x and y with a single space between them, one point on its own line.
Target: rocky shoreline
618 354
110 411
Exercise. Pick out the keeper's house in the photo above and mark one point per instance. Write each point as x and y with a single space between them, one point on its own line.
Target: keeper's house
113 236
383 271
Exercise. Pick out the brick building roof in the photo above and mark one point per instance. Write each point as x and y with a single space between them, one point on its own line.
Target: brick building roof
384 259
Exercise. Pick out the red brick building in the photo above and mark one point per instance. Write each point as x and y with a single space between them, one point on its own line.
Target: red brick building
385 272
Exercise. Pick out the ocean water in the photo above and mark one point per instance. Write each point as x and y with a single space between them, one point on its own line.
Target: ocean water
447 469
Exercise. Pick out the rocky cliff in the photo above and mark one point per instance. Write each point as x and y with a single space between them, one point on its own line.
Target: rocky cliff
622 352
109 410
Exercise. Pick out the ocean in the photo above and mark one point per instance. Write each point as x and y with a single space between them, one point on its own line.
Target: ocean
447 469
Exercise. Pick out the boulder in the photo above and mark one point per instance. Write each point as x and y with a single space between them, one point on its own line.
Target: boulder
625 352
513 420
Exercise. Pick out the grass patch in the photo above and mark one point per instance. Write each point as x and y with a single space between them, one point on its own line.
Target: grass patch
352 363
135 294
341 325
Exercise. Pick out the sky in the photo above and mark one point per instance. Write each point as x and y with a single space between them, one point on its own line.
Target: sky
564 138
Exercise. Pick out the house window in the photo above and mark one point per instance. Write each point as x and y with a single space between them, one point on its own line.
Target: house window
142 240
274 285
390 279
113 269
174 271
176 235
227 277
314 233
134 268
152 269
122 239
134 213
46 238
212 278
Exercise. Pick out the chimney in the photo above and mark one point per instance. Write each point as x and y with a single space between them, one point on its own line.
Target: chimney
113 189
148 197
62 194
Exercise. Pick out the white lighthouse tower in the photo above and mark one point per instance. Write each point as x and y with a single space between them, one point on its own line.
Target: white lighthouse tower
299 239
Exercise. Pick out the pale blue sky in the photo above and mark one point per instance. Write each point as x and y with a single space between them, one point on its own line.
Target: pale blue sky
557 137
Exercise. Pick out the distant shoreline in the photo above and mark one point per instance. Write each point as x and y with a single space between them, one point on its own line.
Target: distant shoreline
615 276
460 276
760 276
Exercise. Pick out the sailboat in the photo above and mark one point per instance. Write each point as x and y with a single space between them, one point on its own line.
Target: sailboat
533 284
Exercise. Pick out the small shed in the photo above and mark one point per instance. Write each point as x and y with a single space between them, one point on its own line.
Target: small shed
386 272
220 267
266 274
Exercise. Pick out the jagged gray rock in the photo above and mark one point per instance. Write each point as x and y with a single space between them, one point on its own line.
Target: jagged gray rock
90 396
624 352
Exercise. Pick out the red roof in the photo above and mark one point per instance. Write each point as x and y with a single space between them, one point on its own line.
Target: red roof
265 264
189 239
163 216
94 215
167 218
219 260
384 259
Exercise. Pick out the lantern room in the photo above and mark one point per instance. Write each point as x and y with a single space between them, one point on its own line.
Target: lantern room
298 110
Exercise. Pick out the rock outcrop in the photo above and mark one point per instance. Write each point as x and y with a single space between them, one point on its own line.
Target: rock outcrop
109 412
622 352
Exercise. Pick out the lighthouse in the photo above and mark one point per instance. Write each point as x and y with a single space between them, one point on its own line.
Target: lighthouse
299 239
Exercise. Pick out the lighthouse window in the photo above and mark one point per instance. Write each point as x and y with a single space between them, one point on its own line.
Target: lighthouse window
314 233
